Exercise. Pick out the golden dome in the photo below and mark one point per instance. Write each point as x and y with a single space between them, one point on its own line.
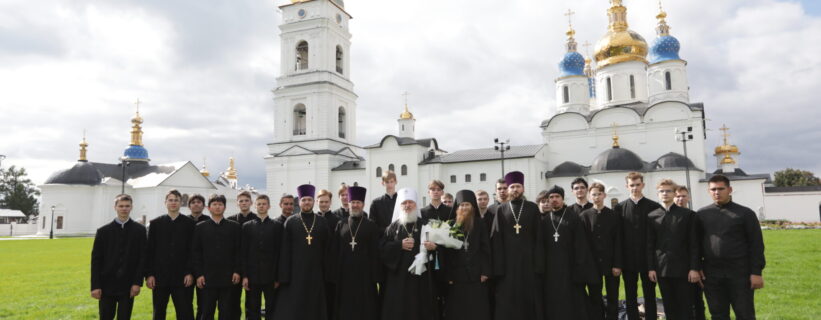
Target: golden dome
406 115
727 160
83 146
231 173
726 148
619 44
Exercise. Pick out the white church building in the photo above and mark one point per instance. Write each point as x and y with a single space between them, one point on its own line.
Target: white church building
617 113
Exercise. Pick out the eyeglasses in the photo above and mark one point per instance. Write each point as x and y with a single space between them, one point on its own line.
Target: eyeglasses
666 191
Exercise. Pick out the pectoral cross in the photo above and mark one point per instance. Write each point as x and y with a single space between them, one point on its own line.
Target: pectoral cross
518 227
309 238
556 236
353 244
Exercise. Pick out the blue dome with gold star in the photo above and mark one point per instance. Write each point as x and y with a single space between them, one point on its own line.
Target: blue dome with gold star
572 64
665 48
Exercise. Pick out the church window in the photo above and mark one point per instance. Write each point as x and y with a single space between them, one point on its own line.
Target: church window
44 222
609 90
184 200
339 59
565 94
668 82
391 168
342 123
299 120
379 172
404 170
302 55
59 222
453 179
467 178
483 177
632 87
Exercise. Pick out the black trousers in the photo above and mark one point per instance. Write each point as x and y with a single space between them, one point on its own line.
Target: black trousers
597 308
217 297
119 305
698 303
182 297
723 292
200 299
677 293
236 302
648 287
253 301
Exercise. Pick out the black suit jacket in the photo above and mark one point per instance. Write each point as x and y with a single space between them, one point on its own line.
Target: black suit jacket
117 257
261 242
634 232
216 252
672 247
605 233
169 250
381 211
441 213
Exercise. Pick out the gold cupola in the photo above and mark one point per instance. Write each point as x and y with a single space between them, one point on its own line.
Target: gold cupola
231 173
405 115
83 146
619 44
204 171
726 151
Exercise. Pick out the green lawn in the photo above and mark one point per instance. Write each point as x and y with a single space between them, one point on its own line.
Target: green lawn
49 279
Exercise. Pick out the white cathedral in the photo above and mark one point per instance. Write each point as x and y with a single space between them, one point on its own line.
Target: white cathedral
615 114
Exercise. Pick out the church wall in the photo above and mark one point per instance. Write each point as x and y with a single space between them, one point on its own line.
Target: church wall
679 90
74 203
793 206
619 75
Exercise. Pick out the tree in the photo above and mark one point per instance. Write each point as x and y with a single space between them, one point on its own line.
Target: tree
795 178
17 192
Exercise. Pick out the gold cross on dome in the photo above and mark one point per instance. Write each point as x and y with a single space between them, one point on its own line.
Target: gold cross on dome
137 103
406 94
725 134
569 14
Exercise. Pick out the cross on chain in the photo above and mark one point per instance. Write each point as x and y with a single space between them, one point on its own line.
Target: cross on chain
518 227
353 244
309 238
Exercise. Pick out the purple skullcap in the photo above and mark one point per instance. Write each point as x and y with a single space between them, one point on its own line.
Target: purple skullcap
515 177
305 190
356 193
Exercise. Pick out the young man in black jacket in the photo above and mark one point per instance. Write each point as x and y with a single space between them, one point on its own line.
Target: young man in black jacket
603 227
215 260
261 241
672 253
167 270
196 203
117 259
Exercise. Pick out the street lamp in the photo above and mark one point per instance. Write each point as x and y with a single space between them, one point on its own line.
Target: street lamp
123 163
51 233
502 146
684 136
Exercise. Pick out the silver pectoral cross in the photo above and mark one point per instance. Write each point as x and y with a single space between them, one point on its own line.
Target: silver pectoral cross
556 236
353 244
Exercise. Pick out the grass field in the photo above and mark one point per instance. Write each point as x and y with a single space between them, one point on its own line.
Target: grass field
49 279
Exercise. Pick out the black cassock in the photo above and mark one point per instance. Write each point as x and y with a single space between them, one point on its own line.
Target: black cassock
355 272
405 295
569 265
517 258
467 296
301 294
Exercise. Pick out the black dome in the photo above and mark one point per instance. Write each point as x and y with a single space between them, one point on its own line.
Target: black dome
567 168
81 173
673 160
616 159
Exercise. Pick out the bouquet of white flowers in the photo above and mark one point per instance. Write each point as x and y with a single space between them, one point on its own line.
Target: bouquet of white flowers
440 233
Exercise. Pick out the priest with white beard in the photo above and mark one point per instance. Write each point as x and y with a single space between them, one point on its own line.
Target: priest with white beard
406 295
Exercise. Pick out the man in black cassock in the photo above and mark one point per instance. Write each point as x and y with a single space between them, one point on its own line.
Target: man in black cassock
517 254
381 210
442 212
672 253
633 212
732 253
286 207
302 263
215 260
345 209
603 227
355 255
260 245
117 259
579 187
196 203
167 268
568 261
323 200
683 200
407 294
244 203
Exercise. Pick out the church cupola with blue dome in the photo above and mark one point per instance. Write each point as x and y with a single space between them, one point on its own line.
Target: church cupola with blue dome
667 70
572 85
136 151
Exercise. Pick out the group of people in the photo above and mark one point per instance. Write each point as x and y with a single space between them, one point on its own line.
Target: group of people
517 260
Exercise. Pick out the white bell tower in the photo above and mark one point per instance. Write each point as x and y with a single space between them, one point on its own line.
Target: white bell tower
314 99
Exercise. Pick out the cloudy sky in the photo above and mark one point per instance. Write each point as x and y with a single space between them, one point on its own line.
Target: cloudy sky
475 70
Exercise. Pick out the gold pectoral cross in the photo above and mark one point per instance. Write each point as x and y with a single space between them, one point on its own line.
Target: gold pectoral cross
309 238
353 244
518 227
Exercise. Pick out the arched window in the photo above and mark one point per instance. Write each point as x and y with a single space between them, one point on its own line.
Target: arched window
668 81
379 172
391 167
632 87
565 94
609 90
302 55
453 179
404 169
342 122
339 59
482 177
299 119
467 178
